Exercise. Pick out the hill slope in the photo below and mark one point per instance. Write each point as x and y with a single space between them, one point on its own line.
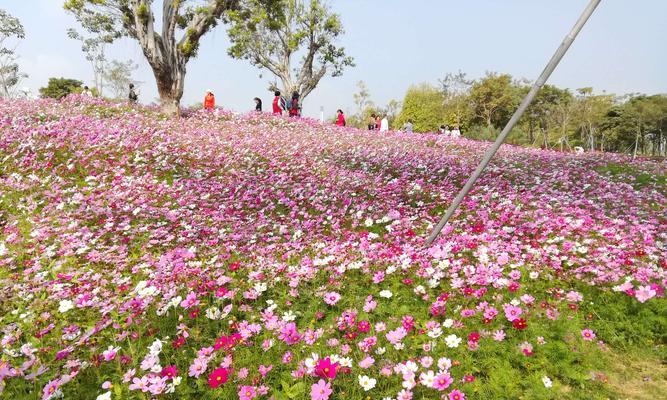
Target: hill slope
222 256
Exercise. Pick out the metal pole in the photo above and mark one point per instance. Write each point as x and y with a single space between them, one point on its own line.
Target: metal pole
555 59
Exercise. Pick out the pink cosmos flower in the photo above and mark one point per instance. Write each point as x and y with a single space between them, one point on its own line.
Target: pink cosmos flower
457 395
512 312
190 301
331 298
588 335
247 393
644 293
50 389
442 381
366 362
320 390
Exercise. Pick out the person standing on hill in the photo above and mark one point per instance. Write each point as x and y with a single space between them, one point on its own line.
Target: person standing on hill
258 104
384 124
455 132
209 101
340 121
87 92
132 96
294 106
372 123
278 104
408 126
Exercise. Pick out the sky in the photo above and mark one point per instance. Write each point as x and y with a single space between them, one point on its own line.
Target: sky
396 43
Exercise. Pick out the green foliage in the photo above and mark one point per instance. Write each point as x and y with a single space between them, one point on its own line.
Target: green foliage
493 99
423 104
269 34
60 87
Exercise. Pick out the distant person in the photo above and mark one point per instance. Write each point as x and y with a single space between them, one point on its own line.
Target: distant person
294 106
279 104
209 100
408 126
378 122
132 96
87 92
258 104
442 129
447 132
372 123
384 124
455 132
340 121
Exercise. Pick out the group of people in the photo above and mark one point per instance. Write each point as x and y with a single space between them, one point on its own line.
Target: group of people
454 132
292 108
375 123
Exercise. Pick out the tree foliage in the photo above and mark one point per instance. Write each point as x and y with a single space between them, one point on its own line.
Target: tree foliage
273 35
423 104
166 54
118 75
58 88
10 76
557 118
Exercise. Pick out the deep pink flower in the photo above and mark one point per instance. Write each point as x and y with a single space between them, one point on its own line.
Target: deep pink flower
218 377
326 369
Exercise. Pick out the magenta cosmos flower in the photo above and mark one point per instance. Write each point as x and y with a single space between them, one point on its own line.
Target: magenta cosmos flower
320 390
326 369
218 377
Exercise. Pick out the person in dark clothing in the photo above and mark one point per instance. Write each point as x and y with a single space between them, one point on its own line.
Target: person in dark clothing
132 96
294 106
372 123
258 104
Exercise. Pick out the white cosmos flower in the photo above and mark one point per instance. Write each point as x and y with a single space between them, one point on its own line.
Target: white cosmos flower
65 305
367 383
547 382
104 396
386 294
452 341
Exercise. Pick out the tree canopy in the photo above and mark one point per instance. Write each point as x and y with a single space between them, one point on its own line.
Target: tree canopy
271 35
166 54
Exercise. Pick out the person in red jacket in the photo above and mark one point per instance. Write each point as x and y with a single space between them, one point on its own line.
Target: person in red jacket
209 100
341 118
278 103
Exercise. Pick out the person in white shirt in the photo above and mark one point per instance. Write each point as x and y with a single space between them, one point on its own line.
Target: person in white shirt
384 125
87 92
455 132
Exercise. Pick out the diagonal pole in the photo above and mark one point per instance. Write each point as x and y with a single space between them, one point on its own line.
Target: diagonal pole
555 59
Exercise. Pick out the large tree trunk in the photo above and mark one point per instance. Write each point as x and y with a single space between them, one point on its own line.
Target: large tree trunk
170 83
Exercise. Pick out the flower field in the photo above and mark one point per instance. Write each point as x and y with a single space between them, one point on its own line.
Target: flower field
220 256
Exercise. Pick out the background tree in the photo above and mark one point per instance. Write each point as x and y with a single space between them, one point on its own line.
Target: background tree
362 97
493 99
456 91
542 116
589 113
272 35
423 104
10 76
60 87
94 49
118 76
167 55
